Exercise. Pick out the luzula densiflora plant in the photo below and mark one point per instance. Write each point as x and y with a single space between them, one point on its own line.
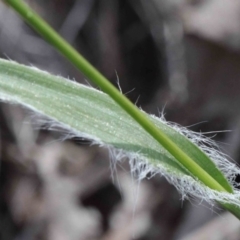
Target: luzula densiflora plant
188 160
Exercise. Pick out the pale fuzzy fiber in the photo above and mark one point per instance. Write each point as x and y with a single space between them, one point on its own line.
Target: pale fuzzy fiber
141 168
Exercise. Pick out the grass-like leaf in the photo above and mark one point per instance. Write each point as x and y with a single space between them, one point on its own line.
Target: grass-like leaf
158 147
87 112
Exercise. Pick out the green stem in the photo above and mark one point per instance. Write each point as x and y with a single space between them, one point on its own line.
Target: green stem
95 76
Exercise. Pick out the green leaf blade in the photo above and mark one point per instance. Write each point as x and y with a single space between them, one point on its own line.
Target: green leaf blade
171 153
195 153
94 113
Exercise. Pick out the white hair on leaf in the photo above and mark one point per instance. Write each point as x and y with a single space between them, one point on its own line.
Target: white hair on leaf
142 168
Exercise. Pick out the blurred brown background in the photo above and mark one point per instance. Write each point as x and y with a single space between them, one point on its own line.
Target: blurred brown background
182 56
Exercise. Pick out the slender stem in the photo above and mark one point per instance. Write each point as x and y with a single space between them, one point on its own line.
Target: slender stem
95 76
